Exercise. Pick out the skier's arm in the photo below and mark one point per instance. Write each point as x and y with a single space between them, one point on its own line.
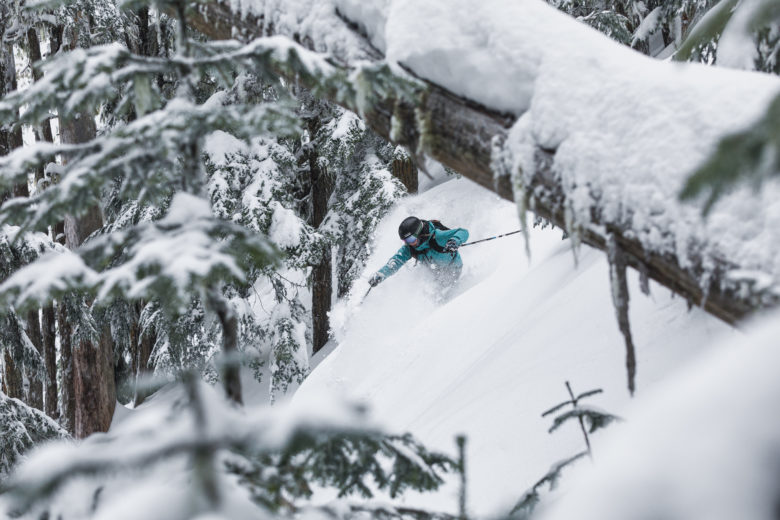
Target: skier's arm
460 235
396 261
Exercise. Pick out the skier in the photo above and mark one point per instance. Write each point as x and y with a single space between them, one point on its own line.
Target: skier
430 243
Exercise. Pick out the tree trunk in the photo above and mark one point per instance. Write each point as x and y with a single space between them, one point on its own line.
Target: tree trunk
12 377
143 341
93 385
144 43
48 333
322 274
93 367
405 171
34 46
35 398
462 134
231 372
68 395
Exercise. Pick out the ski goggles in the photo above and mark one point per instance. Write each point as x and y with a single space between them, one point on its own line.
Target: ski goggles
411 239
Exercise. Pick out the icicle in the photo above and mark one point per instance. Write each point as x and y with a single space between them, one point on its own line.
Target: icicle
619 285
573 231
501 165
644 280
424 125
396 128
521 198
705 282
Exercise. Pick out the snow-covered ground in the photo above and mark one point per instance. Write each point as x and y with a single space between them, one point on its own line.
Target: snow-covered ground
700 440
490 360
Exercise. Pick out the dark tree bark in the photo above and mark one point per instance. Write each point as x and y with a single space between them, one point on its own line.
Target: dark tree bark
35 398
56 36
68 395
93 385
322 273
34 46
144 42
49 337
12 377
93 367
462 134
406 171
231 374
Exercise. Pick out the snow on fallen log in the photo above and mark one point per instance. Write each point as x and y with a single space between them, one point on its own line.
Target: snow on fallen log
586 133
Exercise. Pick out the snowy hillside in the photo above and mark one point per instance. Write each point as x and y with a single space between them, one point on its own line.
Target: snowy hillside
490 360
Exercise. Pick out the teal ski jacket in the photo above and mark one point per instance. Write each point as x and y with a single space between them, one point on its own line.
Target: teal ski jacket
428 255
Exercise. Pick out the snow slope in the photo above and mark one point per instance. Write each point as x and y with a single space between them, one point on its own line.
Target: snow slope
490 360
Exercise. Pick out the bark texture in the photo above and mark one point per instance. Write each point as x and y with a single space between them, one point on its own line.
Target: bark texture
34 47
49 337
67 394
12 377
231 375
462 135
406 172
35 398
93 386
93 368
322 273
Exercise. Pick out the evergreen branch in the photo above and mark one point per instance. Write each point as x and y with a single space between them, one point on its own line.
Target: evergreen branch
82 79
588 394
21 428
388 512
596 418
528 501
25 491
706 29
135 151
751 155
557 407
153 261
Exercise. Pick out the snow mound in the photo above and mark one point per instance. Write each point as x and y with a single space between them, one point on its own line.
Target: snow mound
706 445
492 358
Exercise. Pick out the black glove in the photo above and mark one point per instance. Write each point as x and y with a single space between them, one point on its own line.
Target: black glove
376 279
451 245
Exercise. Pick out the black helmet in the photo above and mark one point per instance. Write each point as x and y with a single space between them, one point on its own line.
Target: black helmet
412 226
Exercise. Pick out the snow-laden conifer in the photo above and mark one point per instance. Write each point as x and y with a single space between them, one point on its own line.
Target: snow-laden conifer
590 419
364 189
22 428
199 451
18 250
162 243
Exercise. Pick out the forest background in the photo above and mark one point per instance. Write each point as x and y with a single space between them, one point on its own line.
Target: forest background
134 145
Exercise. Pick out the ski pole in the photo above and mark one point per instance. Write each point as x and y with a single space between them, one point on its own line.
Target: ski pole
490 238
